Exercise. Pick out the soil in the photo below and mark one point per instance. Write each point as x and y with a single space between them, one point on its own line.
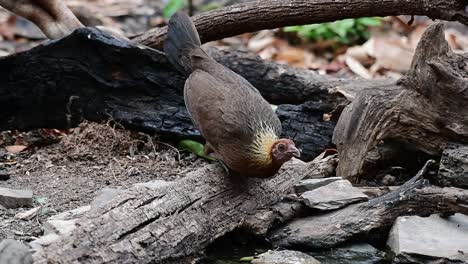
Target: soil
67 174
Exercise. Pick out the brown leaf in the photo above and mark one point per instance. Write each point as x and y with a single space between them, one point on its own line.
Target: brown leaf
391 52
7 28
15 149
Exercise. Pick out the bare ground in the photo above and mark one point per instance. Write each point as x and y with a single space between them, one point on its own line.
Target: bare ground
68 174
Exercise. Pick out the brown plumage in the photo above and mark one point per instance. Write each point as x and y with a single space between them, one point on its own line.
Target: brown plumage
238 124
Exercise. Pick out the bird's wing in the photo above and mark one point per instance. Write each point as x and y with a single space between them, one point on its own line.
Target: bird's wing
218 109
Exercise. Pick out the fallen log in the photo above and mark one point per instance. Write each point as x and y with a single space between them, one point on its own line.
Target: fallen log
416 116
171 223
283 84
359 222
92 75
257 15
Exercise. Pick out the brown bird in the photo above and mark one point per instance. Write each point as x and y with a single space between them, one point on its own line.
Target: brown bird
239 125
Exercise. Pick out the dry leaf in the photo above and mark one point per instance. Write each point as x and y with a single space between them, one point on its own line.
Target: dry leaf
360 54
457 40
391 52
356 67
28 215
15 149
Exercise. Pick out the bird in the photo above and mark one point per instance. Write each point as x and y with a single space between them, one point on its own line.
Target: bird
239 125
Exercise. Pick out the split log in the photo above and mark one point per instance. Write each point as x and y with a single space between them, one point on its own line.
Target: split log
417 115
358 222
92 75
257 15
168 224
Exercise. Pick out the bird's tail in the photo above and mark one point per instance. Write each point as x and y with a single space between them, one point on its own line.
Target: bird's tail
182 37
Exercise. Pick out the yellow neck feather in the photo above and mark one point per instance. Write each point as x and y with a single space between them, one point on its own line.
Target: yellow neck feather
262 145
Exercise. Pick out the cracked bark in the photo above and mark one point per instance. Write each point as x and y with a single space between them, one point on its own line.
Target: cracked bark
167 224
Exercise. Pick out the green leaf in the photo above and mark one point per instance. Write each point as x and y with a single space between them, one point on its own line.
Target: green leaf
173 6
369 21
246 259
347 31
342 27
195 147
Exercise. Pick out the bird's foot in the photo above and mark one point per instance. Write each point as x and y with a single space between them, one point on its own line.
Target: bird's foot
226 168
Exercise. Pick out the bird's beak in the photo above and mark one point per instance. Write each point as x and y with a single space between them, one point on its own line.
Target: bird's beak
294 151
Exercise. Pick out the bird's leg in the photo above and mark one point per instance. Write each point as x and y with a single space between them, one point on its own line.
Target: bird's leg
209 151
53 17
225 167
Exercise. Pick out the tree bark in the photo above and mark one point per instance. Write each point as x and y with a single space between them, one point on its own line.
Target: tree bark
170 223
257 15
417 115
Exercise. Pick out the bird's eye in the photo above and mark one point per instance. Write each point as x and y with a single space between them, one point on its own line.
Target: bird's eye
281 147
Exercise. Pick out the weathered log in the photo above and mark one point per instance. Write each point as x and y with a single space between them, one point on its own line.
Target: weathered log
358 222
92 75
257 15
418 115
170 223
283 84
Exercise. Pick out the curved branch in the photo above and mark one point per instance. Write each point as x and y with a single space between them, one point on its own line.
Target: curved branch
258 15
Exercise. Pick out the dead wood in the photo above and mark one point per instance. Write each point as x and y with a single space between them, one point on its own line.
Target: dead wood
358 222
92 75
283 84
170 223
257 15
418 115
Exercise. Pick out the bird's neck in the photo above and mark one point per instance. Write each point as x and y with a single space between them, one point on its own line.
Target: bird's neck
262 145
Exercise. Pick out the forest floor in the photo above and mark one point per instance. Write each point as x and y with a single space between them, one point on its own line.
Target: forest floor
68 174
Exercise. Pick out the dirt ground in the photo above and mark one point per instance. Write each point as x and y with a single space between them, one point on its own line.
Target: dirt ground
67 174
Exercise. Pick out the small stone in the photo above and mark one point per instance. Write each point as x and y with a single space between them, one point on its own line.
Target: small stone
28 215
284 257
312 184
335 195
11 198
389 180
352 254
420 238
14 252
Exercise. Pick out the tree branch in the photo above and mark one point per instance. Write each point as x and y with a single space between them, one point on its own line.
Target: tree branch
257 15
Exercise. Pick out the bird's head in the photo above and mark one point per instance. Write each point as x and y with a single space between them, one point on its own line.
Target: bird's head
283 150
269 151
